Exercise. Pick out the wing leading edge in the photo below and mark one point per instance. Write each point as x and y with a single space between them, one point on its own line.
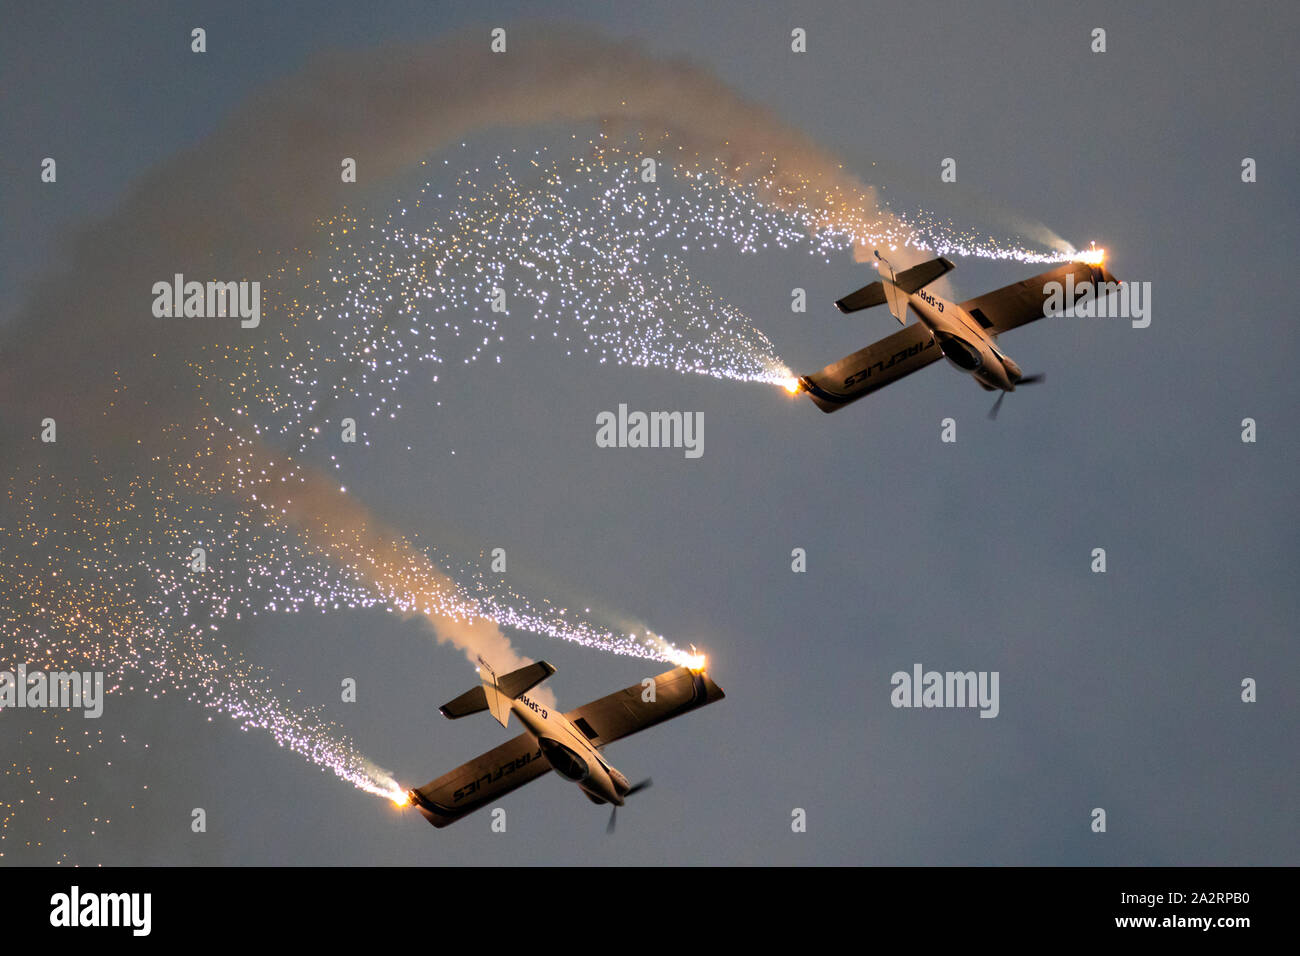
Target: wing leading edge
480 781
626 712
1023 302
854 376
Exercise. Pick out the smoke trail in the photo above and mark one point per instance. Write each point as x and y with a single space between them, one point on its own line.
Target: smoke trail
335 524
319 520
260 181
83 594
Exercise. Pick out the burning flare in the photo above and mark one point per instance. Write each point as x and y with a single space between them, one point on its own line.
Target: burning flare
692 659
1093 255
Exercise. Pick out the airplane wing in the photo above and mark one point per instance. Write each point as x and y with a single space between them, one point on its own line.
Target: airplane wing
480 781
1022 302
626 711
880 363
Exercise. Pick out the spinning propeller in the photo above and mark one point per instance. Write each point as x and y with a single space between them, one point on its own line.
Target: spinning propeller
1026 380
613 813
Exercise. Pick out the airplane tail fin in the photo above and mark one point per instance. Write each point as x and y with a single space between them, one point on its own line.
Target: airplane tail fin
893 289
496 693
894 296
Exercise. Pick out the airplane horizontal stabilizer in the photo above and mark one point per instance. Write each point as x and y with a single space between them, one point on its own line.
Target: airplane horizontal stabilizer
909 281
496 693
866 297
525 679
470 702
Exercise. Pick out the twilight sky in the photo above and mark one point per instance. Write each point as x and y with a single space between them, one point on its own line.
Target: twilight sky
1118 690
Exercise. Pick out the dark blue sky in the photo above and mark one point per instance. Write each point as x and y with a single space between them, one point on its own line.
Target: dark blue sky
1118 690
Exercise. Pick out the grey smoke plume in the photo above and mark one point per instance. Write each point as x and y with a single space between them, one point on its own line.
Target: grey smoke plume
86 349
257 184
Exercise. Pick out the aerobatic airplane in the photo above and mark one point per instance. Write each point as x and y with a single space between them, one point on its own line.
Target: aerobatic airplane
570 744
965 334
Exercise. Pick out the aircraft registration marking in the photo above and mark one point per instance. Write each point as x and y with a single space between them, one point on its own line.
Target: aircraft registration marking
533 706
931 299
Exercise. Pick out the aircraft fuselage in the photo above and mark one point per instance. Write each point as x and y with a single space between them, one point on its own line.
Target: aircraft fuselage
569 751
965 344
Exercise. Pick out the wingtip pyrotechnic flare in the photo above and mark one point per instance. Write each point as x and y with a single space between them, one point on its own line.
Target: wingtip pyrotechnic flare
792 385
1093 255
693 660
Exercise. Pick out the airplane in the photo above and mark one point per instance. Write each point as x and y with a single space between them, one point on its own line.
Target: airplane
570 744
965 334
